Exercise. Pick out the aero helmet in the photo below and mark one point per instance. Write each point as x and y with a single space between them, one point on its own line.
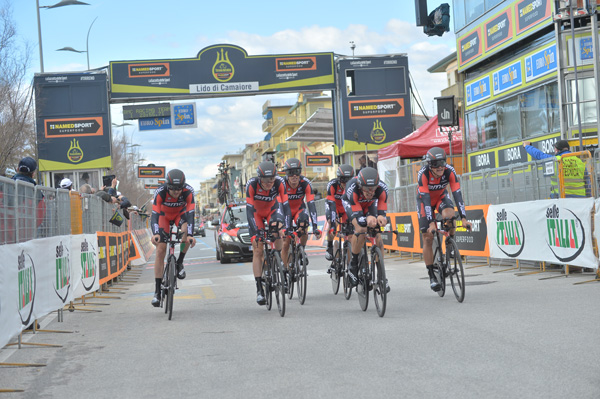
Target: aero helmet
436 157
175 179
368 177
266 169
344 173
293 167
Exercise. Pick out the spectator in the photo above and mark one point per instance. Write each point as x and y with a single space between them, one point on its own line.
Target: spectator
85 179
365 161
26 170
576 181
86 189
66 183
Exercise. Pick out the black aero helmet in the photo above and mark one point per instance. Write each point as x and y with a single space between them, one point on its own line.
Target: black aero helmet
345 170
368 177
292 167
175 179
27 165
436 157
562 145
266 169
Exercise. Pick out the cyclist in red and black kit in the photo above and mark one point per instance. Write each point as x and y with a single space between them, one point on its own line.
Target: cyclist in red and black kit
298 188
365 202
334 209
173 201
433 178
263 196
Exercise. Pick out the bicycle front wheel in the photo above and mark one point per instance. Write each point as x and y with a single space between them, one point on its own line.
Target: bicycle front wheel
301 262
336 267
267 283
346 258
362 289
379 281
455 270
171 273
293 270
438 265
278 281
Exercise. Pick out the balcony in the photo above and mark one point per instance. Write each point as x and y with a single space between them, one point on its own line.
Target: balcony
286 147
267 125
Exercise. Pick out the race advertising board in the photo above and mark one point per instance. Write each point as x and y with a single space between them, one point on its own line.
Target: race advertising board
375 101
73 131
221 70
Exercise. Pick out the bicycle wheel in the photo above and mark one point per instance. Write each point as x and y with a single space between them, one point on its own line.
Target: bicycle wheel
267 284
455 270
171 273
362 289
438 262
291 270
379 281
346 258
278 280
336 266
164 290
301 262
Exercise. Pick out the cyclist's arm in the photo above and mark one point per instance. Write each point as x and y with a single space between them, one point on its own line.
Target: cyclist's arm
190 210
310 202
357 210
330 207
156 211
457 194
382 199
250 210
283 198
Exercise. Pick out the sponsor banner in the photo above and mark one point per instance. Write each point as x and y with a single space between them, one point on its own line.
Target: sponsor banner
541 63
555 231
73 127
508 78
154 123
222 68
319 160
382 108
115 259
143 237
151 172
510 155
85 273
102 257
407 225
183 116
17 289
498 30
510 24
146 110
478 90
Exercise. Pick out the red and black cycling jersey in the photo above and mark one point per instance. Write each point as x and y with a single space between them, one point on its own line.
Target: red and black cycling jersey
334 208
296 197
431 190
164 205
361 205
262 203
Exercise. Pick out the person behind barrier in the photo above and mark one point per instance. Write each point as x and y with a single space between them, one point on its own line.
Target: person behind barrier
26 170
173 201
433 178
576 179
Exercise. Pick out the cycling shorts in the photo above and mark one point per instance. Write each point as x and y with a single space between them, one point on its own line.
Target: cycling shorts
439 206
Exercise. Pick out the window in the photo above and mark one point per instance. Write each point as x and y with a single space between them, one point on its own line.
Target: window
586 100
489 4
471 127
474 8
487 125
509 120
534 112
553 108
459 14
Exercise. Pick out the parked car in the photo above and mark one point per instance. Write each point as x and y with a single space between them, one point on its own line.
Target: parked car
232 239
199 229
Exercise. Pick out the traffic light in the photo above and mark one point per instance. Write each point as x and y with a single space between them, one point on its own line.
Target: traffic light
438 21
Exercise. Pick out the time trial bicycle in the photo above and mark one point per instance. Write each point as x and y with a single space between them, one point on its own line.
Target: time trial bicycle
342 255
273 277
448 263
371 274
169 279
297 266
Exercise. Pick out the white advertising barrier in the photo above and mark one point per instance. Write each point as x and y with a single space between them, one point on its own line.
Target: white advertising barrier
35 280
556 231
84 261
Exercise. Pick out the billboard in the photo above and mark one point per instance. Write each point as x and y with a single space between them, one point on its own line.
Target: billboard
73 131
375 101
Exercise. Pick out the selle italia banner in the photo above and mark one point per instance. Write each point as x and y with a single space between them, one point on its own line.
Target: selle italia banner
555 231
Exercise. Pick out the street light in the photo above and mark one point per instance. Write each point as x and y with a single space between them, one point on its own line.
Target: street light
62 3
87 49
352 47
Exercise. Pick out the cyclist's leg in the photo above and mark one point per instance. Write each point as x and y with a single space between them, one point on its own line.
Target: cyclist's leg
257 260
285 250
159 260
183 226
447 211
330 215
427 244
276 223
303 223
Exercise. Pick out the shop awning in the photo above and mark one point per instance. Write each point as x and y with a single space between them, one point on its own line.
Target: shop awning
318 127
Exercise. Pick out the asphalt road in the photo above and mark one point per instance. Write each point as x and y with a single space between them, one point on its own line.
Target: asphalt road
514 336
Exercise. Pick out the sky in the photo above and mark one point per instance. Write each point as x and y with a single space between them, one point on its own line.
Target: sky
125 30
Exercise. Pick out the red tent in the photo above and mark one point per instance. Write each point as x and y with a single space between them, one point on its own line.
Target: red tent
416 144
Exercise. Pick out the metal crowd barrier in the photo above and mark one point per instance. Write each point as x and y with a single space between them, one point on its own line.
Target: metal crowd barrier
28 212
